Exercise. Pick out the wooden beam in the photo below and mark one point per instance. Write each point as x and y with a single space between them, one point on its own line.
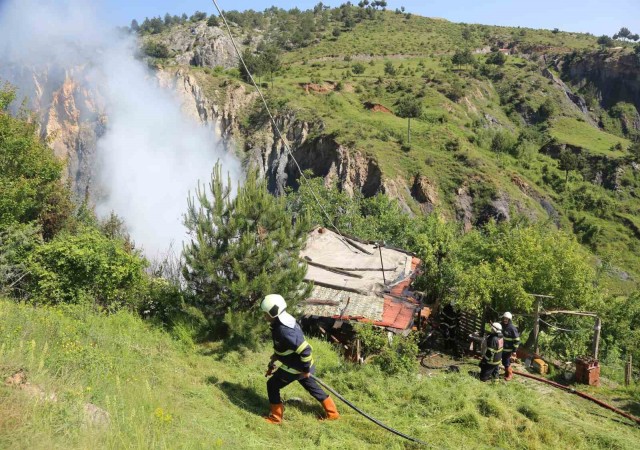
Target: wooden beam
573 313
353 244
331 269
337 287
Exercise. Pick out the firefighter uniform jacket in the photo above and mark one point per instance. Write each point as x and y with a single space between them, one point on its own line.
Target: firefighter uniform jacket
290 347
492 349
511 337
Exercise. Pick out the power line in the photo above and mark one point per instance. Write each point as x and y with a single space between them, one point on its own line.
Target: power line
558 328
275 126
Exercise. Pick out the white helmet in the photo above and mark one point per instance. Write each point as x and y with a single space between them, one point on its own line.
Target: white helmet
495 326
273 304
507 315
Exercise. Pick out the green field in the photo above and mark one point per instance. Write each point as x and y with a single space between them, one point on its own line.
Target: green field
580 134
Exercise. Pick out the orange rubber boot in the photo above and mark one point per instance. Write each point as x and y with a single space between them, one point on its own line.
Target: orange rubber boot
508 374
275 414
330 409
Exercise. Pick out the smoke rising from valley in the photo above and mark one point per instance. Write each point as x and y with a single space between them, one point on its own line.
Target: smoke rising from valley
149 155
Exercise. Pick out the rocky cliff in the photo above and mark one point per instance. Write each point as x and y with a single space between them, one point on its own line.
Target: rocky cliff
615 74
70 116
199 45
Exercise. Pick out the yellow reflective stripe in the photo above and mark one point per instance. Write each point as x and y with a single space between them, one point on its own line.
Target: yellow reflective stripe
302 346
293 371
510 339
306 358
289 369
493 363
285 353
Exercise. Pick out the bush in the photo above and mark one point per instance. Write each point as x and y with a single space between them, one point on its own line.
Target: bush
496 58
395 356
83 267
17 241
503 142
156 50
358 68
31 189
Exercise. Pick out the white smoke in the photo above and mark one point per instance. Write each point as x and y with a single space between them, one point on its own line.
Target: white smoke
151 155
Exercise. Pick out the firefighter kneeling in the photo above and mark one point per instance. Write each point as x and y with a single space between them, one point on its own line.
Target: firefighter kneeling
492 353
294 354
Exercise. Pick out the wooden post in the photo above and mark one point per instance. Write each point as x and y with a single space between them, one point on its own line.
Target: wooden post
627 372
536 326
358 353
596 337
382 263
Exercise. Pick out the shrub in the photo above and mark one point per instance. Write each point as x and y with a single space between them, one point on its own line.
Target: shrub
30 175
503 142
497 58
156 50
86 266
393 356
358 68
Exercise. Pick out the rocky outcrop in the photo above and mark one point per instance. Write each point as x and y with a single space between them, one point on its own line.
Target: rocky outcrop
262 148
615 74
425 193
575 99
199 45
464 207
71 119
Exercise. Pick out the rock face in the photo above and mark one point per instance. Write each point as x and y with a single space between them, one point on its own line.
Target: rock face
200 45
616 76
425 193
578 101
70 117
263 149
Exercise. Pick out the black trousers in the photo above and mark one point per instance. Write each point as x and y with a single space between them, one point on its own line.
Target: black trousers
282 379
488 371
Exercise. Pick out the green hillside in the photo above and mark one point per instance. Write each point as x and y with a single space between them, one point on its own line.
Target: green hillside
500 125
166 392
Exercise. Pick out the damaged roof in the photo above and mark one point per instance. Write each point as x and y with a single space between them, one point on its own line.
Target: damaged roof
349 285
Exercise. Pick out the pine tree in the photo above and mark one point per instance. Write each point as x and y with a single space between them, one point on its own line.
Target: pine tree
408 108
242 248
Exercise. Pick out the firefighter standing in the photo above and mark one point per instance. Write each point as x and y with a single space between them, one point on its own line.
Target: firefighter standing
449 321
511 343
294 354
491 353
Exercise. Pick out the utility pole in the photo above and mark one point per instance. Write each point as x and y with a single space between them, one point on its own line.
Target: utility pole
536 327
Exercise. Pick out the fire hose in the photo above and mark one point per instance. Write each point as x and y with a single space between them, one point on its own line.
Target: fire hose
272 367
581 394
358 410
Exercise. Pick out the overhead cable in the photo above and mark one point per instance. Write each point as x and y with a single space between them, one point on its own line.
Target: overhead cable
275 126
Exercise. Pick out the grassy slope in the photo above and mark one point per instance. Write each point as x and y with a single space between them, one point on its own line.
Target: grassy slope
163 393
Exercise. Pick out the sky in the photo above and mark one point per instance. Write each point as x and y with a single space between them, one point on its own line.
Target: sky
594 16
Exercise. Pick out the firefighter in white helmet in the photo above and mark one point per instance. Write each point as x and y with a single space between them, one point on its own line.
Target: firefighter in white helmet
491 353
294 353
511 343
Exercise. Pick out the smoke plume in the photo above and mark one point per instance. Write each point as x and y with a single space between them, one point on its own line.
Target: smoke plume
150 155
